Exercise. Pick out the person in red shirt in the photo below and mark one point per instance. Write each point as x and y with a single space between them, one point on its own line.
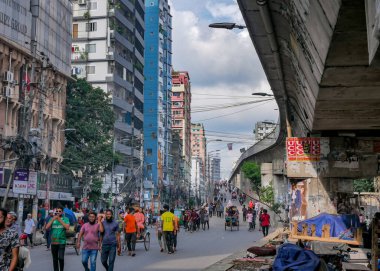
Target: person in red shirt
265 221
130 231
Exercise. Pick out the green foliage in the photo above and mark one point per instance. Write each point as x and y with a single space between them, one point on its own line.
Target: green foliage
96 190
252 171
90 147
364 185
267 194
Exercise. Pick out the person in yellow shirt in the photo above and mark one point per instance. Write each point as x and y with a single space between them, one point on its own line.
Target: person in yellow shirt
176 229
168 226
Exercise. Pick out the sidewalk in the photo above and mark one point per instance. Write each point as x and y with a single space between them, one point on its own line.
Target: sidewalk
227 263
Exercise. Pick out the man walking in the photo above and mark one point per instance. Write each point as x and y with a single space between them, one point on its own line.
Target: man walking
110 240
130 231
48 231
90 232
41 214
9 245
168 228
244 210
29 229
176 229
58 225
265 222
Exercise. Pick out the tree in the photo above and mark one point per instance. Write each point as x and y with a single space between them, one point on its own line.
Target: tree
96 190
252 171
364 185
89 146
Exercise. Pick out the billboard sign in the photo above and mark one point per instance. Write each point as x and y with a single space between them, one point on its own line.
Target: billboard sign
20 181
32 183
300 149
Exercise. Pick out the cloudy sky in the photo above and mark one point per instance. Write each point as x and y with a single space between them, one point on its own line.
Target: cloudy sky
224 70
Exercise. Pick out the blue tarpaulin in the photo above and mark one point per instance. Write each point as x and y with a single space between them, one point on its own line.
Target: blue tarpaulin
292 257
341 226
70 215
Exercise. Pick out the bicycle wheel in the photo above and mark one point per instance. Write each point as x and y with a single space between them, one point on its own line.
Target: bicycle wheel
147 241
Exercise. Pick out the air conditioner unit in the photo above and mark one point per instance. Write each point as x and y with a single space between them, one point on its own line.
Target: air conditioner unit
8 77
82 2
112 34
7 91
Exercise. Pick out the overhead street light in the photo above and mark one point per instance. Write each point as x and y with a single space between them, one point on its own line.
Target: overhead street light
262 94
228 26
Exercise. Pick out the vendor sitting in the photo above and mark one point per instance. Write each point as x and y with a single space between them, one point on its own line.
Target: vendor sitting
140 220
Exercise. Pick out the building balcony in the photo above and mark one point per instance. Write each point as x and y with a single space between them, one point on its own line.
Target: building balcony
116 101
122 126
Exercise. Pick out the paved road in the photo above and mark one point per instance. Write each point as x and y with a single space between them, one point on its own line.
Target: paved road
195 251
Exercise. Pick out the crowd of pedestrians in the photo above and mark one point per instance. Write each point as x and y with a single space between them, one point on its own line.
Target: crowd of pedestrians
112 235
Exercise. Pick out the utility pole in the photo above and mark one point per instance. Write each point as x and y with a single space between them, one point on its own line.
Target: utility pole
142 171
34 7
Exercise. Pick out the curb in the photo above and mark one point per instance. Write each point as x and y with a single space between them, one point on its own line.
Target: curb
226 263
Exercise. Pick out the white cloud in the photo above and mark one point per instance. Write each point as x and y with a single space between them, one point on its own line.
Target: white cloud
220 62
227 11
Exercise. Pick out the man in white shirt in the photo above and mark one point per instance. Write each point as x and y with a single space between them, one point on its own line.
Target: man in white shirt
29 229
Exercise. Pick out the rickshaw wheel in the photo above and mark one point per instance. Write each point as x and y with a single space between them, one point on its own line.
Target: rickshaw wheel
147 241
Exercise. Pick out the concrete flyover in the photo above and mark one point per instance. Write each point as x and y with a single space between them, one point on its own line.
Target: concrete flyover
321 59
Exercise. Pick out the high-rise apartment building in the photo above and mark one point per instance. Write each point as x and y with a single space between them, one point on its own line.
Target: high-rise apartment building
181 111
198 142
108 50
157 107
215 168
197 187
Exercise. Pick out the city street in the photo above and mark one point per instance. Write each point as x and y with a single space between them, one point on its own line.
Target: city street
195 251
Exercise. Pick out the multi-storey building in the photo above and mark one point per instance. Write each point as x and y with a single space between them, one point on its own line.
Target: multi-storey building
198 142
215 168
108 50
179 186
198 190
35 50
157 107
181 111
263 128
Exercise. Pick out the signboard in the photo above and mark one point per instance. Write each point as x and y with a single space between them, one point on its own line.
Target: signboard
301 149
32 183
15 21
41 194
20 181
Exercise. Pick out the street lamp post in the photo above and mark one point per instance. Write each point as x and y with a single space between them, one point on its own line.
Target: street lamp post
228 26
262 94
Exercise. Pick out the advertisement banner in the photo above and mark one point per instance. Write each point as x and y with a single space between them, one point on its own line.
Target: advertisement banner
300 149
20 181
32 183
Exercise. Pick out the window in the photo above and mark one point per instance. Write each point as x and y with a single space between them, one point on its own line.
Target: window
149 152
92 5
149 167
91 48
90 69
91 27
75 31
